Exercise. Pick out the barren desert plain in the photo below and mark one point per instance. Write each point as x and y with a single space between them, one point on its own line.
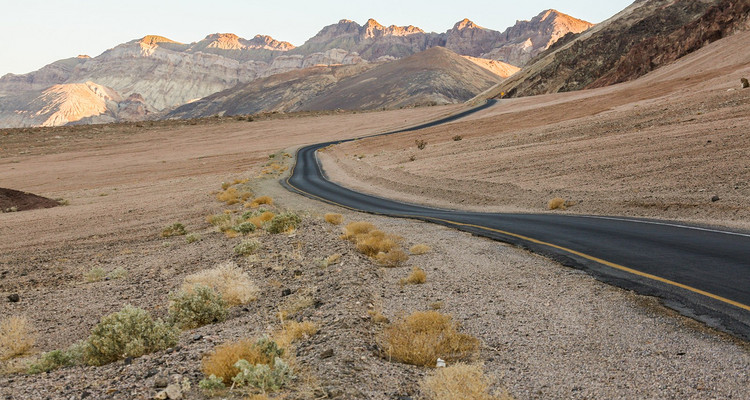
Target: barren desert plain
659 147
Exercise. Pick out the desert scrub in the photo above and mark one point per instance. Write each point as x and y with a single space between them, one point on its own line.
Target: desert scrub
334 219
384 248
263 376
222 222
423 337
244 228
231 195
176 229
354 229
416 277
247 247
200 306
95 274
130 332
192 238
330 260
228 279
393 258
258 201
284 222
16 338
556 203
58 359
421 144
419 249
459 382
221 361
291 331
299 301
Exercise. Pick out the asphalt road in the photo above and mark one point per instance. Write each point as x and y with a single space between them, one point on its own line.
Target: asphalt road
703 273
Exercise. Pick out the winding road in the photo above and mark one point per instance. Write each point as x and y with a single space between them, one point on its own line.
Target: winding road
701 272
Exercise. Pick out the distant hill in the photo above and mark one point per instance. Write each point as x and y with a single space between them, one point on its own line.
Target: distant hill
435 76
162 74
643 37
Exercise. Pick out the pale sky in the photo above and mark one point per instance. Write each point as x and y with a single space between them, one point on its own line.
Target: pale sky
34 33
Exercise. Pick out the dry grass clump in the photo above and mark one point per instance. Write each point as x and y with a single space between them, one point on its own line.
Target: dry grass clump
377 317
261 219
222 221
221 362
384 248
176 229
393 258
292 331
95 274
353 229
417 277
247 247
230 195
423 337
419 249
459 382
16 338
234 285
258 201
556 203
334 219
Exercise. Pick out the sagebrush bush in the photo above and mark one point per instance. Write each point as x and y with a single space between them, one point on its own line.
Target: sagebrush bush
556 203
263 376
284 222
16 337
334 219
247 247
176 229
234 285
419 249
417 277
192 237
459 382
221 361
58 359
245 228
130 332
200 306
423 337
95 274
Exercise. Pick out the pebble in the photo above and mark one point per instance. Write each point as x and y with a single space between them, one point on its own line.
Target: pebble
14 298
715 198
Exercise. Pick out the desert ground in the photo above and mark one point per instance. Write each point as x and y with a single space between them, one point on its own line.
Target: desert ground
660 147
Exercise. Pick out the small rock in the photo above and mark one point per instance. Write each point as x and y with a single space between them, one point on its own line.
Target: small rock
745 83
14 298
161 381
326 354
173 392
161 395
197 337
715 198
286 292
128 360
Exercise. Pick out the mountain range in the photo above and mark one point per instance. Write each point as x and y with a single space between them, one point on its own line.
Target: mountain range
153 76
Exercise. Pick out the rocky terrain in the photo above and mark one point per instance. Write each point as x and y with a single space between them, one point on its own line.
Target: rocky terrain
436 76
639 39
160 74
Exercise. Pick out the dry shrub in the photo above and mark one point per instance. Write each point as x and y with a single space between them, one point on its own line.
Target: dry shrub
292 331
260 220
419 249
221 361
556 203
229 196
378 317
423 337
234 285
176 229
353 229
258 201
393 258
375 242
459 382
417 277
334 219
16 338
331 260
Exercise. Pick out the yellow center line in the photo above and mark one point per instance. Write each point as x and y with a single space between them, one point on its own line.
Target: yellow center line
536 241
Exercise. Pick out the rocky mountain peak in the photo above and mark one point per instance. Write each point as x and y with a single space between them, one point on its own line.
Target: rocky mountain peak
465 24
268 43
154 40
224 41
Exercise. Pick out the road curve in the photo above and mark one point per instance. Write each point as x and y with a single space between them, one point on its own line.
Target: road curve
701 272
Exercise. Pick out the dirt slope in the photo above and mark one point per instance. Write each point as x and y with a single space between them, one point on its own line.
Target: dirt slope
662 146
